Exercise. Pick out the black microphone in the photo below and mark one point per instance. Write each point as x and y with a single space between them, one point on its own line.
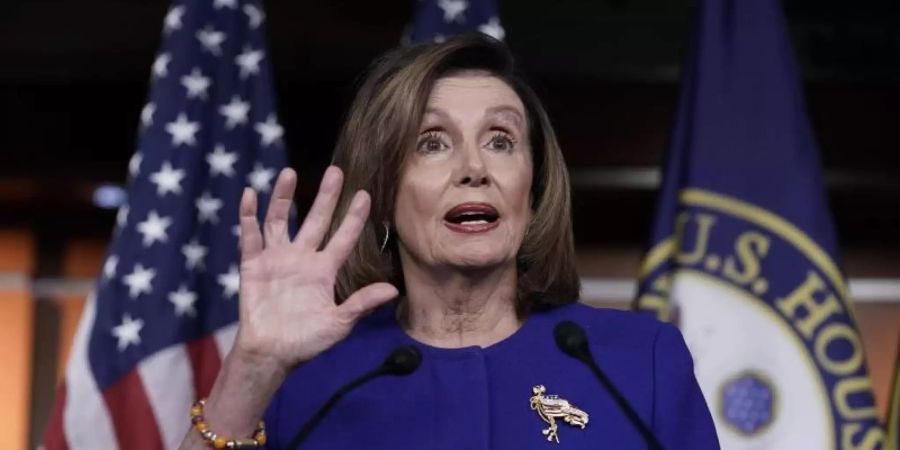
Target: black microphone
570 338
402 361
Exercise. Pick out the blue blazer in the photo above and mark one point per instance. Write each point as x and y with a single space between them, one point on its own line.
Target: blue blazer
477 398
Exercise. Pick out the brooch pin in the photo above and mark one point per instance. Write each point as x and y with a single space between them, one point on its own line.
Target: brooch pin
551 407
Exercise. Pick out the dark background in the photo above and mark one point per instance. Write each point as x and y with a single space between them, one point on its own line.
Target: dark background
73 78
74 75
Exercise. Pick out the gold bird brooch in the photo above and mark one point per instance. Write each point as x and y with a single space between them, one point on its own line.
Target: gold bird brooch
551 407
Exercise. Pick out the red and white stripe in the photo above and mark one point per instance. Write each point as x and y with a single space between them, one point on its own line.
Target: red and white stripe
146 409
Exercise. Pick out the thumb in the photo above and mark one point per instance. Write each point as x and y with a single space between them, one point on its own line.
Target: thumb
367 299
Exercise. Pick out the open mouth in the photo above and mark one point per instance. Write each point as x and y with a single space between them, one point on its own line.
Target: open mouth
472 217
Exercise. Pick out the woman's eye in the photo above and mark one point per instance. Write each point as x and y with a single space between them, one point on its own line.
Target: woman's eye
431 143
501 142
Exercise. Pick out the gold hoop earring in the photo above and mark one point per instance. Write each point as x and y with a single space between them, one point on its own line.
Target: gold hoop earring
387 235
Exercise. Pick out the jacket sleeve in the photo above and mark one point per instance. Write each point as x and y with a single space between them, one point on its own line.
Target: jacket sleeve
681 418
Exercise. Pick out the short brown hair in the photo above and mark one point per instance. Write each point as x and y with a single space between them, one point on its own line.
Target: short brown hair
379 132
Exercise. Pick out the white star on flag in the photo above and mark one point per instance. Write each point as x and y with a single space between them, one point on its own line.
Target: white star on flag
109 267
493 29
235 112
249 61
139 281
134 164
230 4
122 216
154 228
211 40
221 162
254 15
193 254
230 282
183 131
453 10
128 332
147 114
260 178
269 131
196 84
183 299
161 65
173 19
208 208
167 179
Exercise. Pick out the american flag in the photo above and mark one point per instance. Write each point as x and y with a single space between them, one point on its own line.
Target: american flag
164 312
436 20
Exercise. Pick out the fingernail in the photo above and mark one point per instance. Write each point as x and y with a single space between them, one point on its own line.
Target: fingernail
389 291
328 177
334 171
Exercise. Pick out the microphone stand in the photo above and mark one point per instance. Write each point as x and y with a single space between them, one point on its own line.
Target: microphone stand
570 338
403 360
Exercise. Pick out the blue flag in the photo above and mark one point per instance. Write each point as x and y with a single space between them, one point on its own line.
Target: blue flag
893 420
743 252
436 20
165 307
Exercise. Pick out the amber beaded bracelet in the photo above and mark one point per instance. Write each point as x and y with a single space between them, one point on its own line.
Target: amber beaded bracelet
218 442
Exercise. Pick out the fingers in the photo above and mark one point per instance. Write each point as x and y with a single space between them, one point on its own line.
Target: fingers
318 219
347 234
275 229
251 240
366 299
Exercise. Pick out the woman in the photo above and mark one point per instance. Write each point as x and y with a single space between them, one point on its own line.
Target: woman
456 239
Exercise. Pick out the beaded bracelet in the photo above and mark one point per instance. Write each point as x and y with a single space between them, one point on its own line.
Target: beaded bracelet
219 442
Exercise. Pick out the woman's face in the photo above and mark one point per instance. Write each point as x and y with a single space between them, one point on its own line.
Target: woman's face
464 194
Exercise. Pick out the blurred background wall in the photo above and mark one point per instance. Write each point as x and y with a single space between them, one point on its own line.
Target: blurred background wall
74 75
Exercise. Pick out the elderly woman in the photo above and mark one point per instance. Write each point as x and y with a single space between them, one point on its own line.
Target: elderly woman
455 237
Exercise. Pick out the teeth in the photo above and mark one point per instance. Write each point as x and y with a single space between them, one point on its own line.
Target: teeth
473 222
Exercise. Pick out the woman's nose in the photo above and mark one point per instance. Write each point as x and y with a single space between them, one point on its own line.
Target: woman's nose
472 170
474 181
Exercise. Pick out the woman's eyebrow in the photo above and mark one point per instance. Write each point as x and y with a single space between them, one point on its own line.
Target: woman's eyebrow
507 111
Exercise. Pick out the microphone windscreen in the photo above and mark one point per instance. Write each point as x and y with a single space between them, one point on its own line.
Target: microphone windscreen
570 338
402 360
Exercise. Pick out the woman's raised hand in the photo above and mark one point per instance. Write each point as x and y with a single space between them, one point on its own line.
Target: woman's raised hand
287 307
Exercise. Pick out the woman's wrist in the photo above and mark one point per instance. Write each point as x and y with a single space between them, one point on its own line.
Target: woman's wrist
254 364
243 390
